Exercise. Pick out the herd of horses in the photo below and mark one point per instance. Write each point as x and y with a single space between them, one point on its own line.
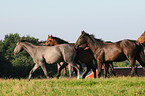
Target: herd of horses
87 50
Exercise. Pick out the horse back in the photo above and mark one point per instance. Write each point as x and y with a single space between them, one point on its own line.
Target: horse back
120 51
112 52
59 53
128 46
68 52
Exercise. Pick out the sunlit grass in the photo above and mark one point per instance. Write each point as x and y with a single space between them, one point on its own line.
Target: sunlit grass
73 87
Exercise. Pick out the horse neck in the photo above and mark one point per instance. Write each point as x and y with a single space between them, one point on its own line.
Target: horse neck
94 44
59 41
141 39
30 48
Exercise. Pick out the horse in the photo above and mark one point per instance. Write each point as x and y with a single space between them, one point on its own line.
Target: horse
118 51
48 54
84 56
141 39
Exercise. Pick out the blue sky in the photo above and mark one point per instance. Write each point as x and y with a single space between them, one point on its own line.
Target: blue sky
111 20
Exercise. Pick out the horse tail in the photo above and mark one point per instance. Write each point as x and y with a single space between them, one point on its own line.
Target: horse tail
140 55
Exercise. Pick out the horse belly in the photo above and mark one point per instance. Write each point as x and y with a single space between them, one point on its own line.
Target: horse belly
53 58
116 57
85 56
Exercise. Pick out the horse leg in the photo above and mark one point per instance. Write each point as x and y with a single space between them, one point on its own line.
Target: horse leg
112 68
70 71
80 66
77 68
64 69
141 60
93 67
99 68
31 72
44 69
132 62
136 70
106 67
61 67
88 69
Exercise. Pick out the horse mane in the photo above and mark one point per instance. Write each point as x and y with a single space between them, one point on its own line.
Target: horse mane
100 42
34 42
60 41
141 39
93 36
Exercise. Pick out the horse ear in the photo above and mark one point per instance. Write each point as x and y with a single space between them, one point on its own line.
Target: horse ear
51 36
48 36
83 32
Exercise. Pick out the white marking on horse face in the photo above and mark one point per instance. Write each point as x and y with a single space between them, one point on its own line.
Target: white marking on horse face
18 48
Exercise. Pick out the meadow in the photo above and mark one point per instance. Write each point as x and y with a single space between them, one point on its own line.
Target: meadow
114 86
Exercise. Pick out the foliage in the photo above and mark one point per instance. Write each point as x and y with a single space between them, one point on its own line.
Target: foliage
5 66
120 86
14 66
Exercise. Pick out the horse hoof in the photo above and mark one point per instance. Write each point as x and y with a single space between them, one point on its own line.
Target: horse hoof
78 78
57 77
48 78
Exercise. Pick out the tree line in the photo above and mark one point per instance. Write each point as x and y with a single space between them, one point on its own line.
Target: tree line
20 65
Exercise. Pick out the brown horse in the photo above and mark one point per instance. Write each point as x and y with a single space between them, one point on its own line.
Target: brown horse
119 51
84 56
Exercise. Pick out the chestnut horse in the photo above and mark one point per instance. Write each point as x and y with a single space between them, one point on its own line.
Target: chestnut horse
118 51
141 39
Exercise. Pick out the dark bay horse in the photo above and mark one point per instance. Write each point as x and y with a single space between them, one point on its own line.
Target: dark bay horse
119 51
84 56
48 54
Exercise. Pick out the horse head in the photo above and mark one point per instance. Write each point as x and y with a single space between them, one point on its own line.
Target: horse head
18 48
82 40
141 39
50 41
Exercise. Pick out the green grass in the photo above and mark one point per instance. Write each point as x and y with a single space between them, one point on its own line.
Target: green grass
72 87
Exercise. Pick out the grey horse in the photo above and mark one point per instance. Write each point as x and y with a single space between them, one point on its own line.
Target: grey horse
49 55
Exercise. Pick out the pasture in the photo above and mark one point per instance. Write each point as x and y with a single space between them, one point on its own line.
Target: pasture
128 86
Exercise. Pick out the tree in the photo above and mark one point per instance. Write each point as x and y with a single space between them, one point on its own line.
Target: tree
21 64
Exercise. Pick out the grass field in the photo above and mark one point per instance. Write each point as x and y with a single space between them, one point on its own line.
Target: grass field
72 87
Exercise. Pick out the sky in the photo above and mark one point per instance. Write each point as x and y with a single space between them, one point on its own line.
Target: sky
109 20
